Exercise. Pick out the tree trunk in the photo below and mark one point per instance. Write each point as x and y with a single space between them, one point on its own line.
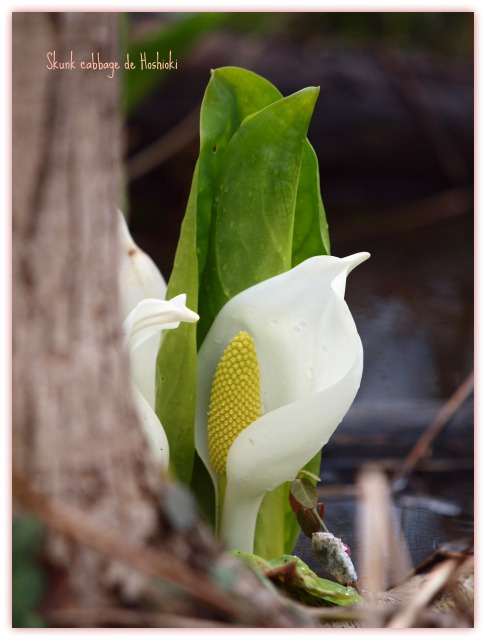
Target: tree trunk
75 431
80 460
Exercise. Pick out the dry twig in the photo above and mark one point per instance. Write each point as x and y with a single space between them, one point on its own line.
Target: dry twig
113 616
245 601
164 148
423 444
402 218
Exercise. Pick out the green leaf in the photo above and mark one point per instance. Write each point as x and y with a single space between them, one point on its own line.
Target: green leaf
308 521
275 524
305 473
176 36
301 583
176 382
304 492
277 527
305 586
311 233
203 490
28 579
253 212
27 533
232 95
253 560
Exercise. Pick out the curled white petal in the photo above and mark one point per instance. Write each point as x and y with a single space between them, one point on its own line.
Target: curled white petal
152 316
310 359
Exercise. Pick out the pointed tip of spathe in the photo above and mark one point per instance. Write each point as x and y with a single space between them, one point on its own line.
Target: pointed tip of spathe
355 259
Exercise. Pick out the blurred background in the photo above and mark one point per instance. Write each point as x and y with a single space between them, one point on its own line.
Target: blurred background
393 130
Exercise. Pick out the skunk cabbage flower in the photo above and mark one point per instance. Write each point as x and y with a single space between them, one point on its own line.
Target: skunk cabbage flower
142 289
277 372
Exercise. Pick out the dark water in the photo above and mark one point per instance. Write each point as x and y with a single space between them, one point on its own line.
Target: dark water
413 305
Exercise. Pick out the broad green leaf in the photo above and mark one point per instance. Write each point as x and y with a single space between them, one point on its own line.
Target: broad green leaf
177 359
232 95
311 234
176 36
253 212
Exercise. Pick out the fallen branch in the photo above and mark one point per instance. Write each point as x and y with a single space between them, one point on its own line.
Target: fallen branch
113 616
245 601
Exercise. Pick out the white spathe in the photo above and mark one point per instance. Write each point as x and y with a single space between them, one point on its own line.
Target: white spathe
147 314
139 279
311 361
139 275
149 318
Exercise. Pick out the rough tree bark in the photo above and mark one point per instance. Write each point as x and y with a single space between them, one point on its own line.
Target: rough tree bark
75 434
80 459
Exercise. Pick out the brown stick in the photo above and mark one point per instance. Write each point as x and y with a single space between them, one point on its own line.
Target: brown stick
422 445
113 616
438 579
164 148
74 524
441 206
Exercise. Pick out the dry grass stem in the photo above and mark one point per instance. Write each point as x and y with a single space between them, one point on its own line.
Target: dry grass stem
437 581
